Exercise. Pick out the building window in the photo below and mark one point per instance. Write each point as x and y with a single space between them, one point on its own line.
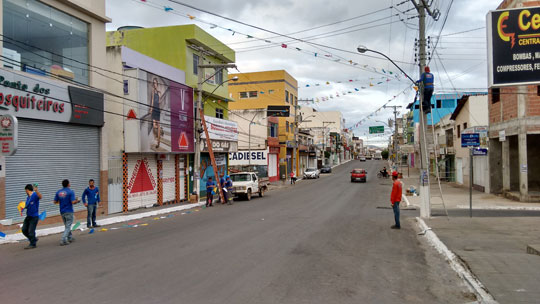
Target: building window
219 76
458 131
286 96
195 64
538 91
40 39
250 94
495 95
464 126
295 101
287 126
270 91
416 106
219 113
439 103
273 130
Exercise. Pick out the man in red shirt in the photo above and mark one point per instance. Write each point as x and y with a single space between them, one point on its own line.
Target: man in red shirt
395 198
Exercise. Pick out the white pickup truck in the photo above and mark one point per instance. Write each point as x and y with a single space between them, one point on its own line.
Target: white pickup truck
245 184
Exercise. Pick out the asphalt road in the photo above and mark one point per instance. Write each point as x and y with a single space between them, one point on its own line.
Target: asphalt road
321 241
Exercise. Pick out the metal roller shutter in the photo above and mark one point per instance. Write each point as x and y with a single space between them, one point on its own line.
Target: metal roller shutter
48 153
182 168
169 180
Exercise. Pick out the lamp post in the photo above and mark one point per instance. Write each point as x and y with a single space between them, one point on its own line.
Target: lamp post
198 105
424 189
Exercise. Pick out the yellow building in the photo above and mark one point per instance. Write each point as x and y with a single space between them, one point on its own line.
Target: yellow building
258 90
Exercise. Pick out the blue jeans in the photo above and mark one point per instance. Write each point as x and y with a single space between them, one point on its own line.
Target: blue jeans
68 220
91 218
29 228
395 206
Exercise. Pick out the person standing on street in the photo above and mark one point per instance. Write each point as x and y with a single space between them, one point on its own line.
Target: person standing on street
395 198
293 179
32 215
229 187
65 197
210 185
92 194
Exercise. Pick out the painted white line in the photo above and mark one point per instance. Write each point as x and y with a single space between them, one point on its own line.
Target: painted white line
13 238
516 208
476 286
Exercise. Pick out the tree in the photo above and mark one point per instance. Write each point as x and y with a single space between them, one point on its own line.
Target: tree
384 154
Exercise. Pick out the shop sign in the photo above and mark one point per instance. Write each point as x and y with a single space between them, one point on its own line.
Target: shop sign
8 134
221 129
220 146
27 97
470 140
513 46
502 135
254 157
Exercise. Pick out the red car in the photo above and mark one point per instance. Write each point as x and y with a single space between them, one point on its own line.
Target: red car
358 175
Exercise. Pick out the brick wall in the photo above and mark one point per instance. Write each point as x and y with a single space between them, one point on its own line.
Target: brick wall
533 103
494 109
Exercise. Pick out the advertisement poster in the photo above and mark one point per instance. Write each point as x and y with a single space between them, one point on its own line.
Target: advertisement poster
167 116
514 46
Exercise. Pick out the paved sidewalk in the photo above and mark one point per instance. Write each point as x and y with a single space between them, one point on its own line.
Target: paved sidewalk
493 243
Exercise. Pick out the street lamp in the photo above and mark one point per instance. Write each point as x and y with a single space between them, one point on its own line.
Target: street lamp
362 49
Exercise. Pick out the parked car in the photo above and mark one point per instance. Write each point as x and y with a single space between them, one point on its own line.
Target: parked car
245 184
326 169
368 156
362 158
358 175
311 173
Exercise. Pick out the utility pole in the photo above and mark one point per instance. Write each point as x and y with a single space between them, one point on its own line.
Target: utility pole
324 141
198 127
421 7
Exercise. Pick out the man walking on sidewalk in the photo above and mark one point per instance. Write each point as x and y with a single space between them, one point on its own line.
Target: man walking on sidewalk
32 215
92 194
395 198
293 178
65 197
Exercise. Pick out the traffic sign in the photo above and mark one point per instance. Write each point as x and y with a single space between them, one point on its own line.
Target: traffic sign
470 140
480 151
376 129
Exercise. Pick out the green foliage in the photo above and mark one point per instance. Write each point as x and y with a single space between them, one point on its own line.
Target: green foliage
384 154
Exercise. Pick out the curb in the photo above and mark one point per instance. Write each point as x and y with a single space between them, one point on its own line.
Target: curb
462 271
14 238
515 208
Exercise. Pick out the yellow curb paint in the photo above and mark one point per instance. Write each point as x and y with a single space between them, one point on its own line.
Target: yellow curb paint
104 229
156 218
145 224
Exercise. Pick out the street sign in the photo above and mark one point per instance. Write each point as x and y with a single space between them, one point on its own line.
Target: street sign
376 129
8 134
480 151
470 140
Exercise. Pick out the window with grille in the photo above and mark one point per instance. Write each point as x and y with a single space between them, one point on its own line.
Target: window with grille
219 113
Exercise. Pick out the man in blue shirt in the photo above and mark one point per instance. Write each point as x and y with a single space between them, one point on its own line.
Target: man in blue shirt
210 185
32 215
229 187
65 197
428 80
92 194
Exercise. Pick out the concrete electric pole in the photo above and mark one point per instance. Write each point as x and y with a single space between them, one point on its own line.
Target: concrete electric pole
422 7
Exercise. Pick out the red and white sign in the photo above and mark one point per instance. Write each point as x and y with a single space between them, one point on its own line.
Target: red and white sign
8 134
142 187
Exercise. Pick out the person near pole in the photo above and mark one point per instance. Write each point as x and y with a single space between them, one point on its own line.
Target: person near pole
229 187
32 215
222 185
210 186
395 198
293 178
91 193
427 80
65 197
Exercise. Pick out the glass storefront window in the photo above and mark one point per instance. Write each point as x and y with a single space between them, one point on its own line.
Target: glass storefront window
42 40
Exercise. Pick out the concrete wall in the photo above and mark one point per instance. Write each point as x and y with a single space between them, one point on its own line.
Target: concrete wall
495 166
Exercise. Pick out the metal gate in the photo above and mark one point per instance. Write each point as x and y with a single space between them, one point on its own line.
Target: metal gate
169 179
459 170
48 153
114 196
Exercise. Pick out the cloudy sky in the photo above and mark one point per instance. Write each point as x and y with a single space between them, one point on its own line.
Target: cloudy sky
334 30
